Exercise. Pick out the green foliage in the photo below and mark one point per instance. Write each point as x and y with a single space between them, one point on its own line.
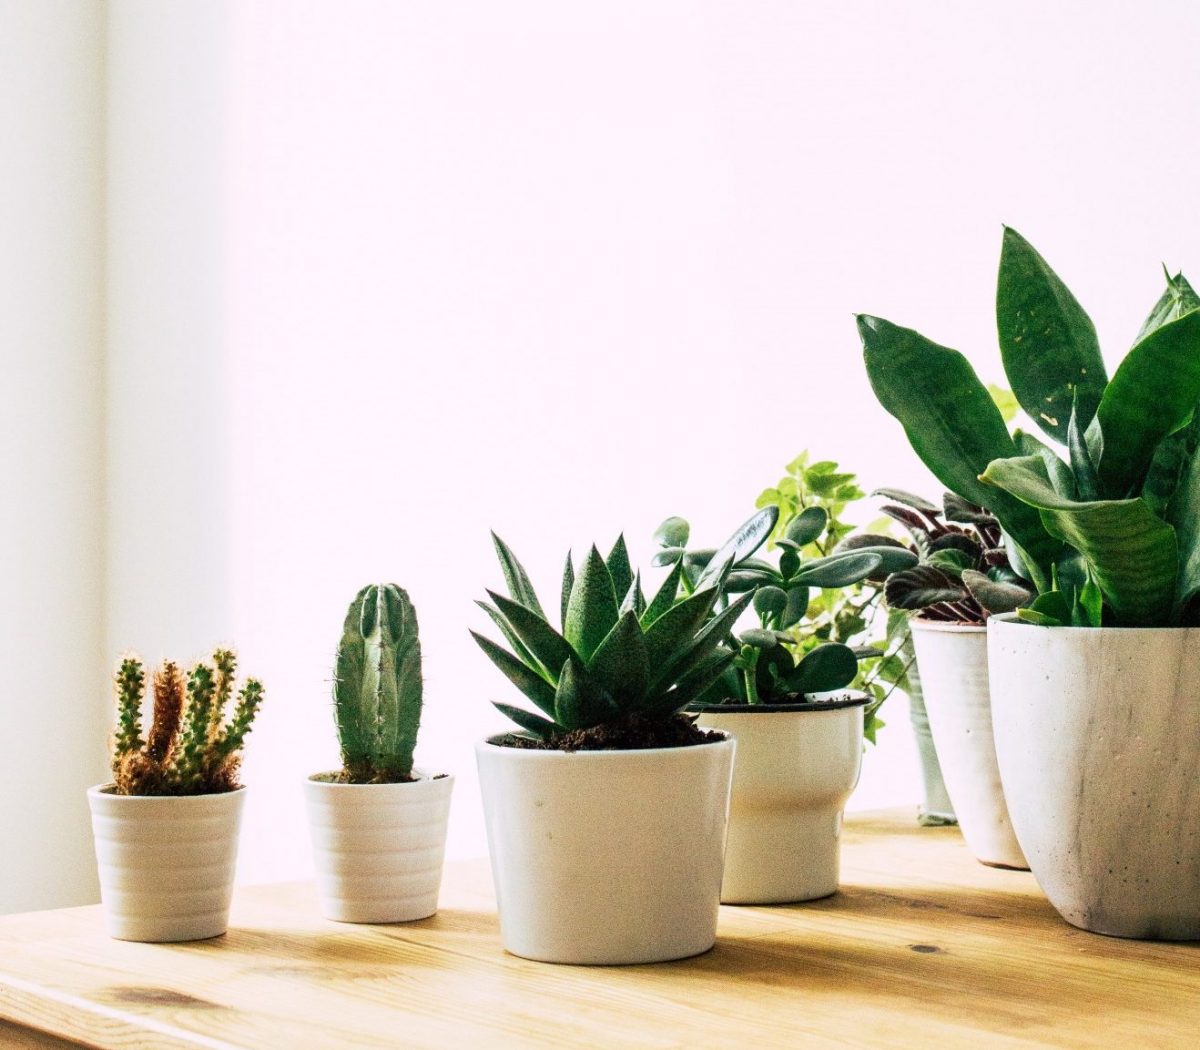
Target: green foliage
963 575
377 689
194 743
618 656
1115 511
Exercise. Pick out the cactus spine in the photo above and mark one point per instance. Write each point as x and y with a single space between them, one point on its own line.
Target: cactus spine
377 688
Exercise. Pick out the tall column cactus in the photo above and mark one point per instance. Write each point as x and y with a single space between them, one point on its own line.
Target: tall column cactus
377 689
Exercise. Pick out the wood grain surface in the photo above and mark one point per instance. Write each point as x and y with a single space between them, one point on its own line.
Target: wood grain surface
923 947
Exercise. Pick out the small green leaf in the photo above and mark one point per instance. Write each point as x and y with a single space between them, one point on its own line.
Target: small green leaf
676 627
619 665
751 535
525 678
548 647
797 606
567 584
592 608
515 577
1087 483
673 532
807 526
580 701
758 638
527 720
770 601
1177 300
667 556
918 503
837 570
1039 619
510 635
619 568
634 599
664 597
827 667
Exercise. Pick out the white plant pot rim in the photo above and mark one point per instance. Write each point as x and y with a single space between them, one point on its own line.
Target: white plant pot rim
948 626
853 699
106 791
542 754
1011 620
419 777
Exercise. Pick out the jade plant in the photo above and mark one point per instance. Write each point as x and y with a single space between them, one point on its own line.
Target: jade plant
1103 521
619 660
377 689
193 745
768 666
962 575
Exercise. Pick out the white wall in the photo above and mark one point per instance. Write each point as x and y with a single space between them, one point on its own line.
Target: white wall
51 431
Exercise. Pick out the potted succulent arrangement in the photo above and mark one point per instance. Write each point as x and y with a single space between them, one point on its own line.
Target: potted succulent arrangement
962 578
1093 683
852 614
606 813
799 732
166 827
378 824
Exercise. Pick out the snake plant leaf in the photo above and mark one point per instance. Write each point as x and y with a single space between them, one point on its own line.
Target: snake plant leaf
1132 554
548 647
580 702
807 526
619 665
996 596
567 584
1060 474
673 532
953 426
532 684
1184 514
592 608
837 570
749 536
618 566
828 666
1047 341
634 598
664 597
920 587
918 503
1090 603
536 725
1152 395
1170 467
770 600
701 648
1087 482
797 606
1178 299
668 634
510 636
515 577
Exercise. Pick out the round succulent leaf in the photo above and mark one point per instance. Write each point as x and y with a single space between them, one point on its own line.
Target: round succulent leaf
748 537
789 545
759 638
668 556
673 532
797 606
789 562
838 570
807 526
829 666
770 600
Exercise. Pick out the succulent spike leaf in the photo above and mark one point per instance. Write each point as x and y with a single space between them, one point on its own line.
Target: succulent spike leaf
592 609
619 568
515 576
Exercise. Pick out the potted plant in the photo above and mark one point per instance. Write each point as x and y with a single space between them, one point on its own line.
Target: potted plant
606 814
1093 696
798 759
378 824
166 827
851 614
962 578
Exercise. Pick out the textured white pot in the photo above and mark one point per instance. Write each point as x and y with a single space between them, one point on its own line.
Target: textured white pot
378 848
607 857
166 863
796 767
953 663
1097 735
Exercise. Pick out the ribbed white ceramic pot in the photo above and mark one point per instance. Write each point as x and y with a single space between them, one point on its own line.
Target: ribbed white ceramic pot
1098 736
953 663
795 769
166 863
607 857
378 848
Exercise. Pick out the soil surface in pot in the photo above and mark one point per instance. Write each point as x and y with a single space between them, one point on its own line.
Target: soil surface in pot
341 776
636 733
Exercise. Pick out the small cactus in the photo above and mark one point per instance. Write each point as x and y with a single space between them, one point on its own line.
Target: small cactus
190 747
377 687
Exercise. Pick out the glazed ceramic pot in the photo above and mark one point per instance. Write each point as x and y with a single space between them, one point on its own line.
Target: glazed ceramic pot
378 848
796 766
953 662
607 857
166 862
1097 735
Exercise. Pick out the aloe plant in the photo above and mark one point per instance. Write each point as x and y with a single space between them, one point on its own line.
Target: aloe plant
618 656
1106 524
377 689
767 665
962 574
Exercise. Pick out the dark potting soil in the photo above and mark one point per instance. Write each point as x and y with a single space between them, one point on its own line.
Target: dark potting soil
343 777
636 733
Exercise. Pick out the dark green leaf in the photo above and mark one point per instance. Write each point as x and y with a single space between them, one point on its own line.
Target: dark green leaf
770 601
797 606
592 609
964 512
1087 483
921 587
807 526
567 584
548 647
996 596
751 535
918 503
1177 300
668 635
827 667
581 702
619 568
758 638
1060 474
667 556
527 720
673 532
525 678
510 635
700 648
664 597
634 599
515 577
837 570
619 665
1047 341
690 689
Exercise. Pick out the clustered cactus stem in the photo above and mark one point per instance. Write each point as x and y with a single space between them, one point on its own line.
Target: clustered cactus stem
190 749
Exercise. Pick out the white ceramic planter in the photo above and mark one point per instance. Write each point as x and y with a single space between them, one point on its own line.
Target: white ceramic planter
607 857
166 863
1097 735
953 662
796 767
378 848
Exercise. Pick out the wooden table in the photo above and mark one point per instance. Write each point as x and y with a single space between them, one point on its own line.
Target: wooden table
923 947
